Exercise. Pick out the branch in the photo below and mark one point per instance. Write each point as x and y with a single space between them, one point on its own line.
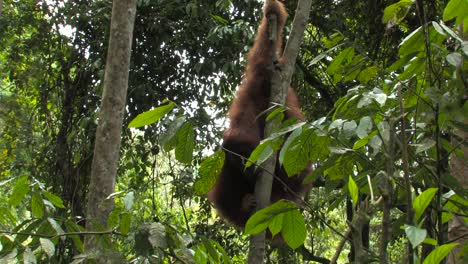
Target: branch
279 86
409 207
86 233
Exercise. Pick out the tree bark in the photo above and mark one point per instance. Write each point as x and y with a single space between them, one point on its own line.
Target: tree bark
279 87
108 134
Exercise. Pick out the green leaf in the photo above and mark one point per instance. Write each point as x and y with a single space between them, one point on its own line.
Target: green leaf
415 67
438 28
113 219
262 218
365 126
185 143
209 170
438 254
128 201
347 54
456 9
276 224
430 241
421 202
365 140
54 199
425 144
37 205
465 47
414 42
415 235
367 74
397 11
260 154
169 137
298 152
73 227
451 32
353 190
360 143
349 128
47 246
294 229
285 131
384 131
151 116
58 229
125 222
375 143
210 249
455 59
20 190
446 217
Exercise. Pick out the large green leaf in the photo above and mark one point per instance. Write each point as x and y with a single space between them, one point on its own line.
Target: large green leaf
415 235
151 116
185 143
54 199
263 218
397 11
37 205
456 9
20 190
353 190
260 154
209 170
125 221
345 56
294 229
438 254
414 42
423 200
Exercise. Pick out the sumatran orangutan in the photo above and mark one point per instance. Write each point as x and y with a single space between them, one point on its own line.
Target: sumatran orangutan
233 194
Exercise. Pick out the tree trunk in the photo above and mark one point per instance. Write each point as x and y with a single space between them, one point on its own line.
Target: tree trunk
279 87
108 134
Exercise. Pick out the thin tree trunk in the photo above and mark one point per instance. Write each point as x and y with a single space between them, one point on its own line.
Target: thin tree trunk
279 86
108 134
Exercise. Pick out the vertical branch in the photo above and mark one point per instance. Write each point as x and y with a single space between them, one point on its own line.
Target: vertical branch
279 84
386 192
360 220
109 130
405 161
264 182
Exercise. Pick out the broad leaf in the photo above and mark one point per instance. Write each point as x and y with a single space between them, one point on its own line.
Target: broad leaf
294 229
125 222
438 254
47 246
54 199
421 202
20 190
365 126
185 143
151 116
456 9
37 205
353 190
209 170
262 218
415 235
260 154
